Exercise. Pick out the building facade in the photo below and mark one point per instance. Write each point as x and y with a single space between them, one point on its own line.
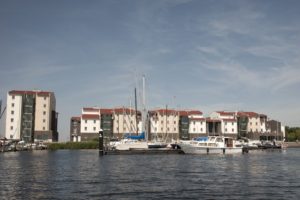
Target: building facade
31 116
169 124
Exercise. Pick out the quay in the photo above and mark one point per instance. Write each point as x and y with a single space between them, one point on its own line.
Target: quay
143 151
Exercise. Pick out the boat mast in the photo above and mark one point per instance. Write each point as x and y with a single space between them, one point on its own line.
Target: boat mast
136 116
144 111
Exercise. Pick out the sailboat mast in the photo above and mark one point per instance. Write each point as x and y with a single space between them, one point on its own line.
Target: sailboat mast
136 116
144 110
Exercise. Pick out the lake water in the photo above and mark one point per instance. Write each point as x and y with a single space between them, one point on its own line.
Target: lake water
82 174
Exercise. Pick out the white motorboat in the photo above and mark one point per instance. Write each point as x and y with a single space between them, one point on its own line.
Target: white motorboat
210 145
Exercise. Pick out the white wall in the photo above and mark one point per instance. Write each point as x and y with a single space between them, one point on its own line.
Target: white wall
16 116
90 124
197 126
229 127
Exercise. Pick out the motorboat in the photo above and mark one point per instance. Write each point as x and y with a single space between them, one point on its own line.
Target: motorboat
210 145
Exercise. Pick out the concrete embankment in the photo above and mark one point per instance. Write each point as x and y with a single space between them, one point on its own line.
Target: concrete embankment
293 144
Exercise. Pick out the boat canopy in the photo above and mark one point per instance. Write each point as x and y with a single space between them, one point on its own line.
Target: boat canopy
204 139
135 137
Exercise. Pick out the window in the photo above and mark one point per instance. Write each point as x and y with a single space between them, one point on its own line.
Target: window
174 129
13 97
12 105
250 123
94 121
85 121
11 128
201 123
161 129
232 130
44 120
256 130
225 123
85 128
194 129
12 112
174 122
43 128
201 129
162 121
167 122
155 129
45 98
232 123
168 129
225 129
194 122
44 105
94 128
256 123
44 112
12 120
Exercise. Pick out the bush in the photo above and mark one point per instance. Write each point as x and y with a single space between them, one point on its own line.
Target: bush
73 145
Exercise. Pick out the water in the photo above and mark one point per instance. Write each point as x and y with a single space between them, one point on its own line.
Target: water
84 175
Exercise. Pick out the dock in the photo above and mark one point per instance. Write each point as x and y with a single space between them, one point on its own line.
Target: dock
143 151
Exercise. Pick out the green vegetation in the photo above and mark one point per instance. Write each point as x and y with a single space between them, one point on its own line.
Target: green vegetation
293 133
73 145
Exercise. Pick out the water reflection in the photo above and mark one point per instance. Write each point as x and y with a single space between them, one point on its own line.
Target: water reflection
85 175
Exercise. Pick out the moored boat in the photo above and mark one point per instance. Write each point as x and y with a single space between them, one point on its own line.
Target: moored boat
210 145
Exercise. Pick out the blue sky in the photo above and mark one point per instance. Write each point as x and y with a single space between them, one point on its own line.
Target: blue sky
205 55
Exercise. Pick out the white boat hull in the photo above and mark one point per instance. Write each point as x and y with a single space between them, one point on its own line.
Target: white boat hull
132 145
190 149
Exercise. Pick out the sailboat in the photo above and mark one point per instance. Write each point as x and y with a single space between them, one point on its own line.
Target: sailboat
135 141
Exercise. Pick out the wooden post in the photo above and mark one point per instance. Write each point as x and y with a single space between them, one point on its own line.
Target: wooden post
101 152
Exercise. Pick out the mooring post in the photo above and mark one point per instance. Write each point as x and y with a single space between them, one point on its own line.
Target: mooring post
101 152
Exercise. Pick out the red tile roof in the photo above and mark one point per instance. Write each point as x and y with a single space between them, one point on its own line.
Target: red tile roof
248 114
32 92
90 116
91 109
212 120
225 113
229 120
190 112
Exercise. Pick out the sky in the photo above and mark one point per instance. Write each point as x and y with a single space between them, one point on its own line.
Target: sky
207 55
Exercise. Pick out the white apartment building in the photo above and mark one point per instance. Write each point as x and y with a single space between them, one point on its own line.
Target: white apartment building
31 116
197 123
164 123
114 122
228 121
124 121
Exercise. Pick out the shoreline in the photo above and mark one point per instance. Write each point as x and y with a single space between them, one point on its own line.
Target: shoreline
292 144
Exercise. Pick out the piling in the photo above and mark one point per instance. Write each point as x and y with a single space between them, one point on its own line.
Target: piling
101 149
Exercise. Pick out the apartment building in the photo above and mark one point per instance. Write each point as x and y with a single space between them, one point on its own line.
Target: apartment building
115 122
31 116
164 123
75 133
223 123
274 131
